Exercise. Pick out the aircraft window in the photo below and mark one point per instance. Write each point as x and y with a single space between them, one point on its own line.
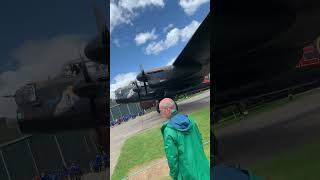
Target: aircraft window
67 71
94 68
26 94
124 91
72 70
75 69
140 83
130 93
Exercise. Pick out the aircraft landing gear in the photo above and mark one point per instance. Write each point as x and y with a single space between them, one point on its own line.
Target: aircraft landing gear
157 106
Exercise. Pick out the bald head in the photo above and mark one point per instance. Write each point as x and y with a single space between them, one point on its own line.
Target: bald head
167 106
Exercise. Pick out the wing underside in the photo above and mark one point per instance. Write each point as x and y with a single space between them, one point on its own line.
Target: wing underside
197 50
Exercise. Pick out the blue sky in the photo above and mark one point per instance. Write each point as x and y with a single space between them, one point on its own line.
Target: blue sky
41 20
151 33
37 38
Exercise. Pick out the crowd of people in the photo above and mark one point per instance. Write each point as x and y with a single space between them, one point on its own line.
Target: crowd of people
125 118
74 171
99 163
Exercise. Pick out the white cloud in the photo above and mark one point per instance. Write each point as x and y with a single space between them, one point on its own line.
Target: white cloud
131 5
191 6
172 38
116 42
121 80
187 32
124 11
141 38
165 29
36 61
118 16
171 61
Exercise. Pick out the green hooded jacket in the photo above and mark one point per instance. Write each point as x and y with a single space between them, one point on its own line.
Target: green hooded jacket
184 149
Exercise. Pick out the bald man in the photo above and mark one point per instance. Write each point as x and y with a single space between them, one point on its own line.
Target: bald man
183 144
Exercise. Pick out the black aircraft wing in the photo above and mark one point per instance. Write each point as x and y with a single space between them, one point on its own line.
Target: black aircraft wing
197 50
258 41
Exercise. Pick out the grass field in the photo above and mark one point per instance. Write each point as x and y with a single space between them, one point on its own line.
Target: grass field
148 146
262 108
301 163
184 97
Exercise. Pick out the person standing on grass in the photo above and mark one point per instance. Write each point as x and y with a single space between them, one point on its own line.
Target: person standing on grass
183 144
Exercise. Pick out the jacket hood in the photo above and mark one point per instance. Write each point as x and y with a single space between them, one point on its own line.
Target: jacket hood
180 122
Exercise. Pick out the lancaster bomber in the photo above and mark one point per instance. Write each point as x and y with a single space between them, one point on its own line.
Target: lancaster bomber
185 74
258 47
262 47
75 98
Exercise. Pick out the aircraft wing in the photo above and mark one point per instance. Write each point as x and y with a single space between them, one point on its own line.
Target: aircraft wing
197 50
258 41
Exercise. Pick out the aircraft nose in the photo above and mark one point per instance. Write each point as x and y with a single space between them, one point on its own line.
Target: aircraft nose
117 93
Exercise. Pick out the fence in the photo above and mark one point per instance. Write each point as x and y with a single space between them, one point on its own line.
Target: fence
118 110
29 156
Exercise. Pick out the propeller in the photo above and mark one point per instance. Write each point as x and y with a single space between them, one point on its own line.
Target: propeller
136 83
144 78
85 70
100 19
8 96
97 48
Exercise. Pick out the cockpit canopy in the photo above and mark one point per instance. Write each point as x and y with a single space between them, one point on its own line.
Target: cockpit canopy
72 69
26 94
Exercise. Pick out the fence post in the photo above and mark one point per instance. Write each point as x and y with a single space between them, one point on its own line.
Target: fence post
128 108
61 155
33 160
60 152
86 142
111 114
138 106
120 110
5 165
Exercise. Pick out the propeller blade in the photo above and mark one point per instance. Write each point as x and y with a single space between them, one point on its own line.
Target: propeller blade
145 87
136 83
88 79
100 18
9 96
97 49
85 71
143 74
142 70
144 78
